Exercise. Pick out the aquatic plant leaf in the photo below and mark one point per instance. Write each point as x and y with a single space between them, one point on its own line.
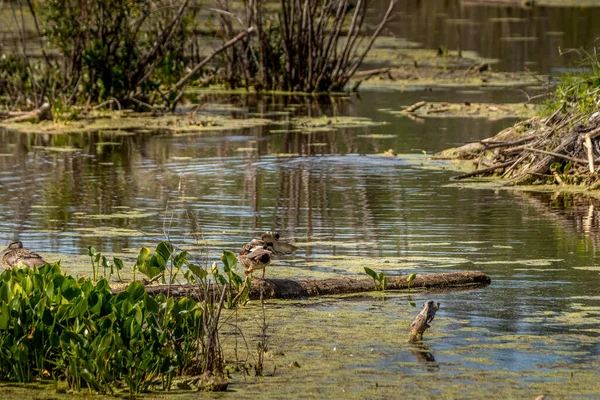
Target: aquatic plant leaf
4 317
118 263
153 266
198 271
79 309
151 303
165 249
180 259
136 290
97 308
411 277
142 256
229 260
371 273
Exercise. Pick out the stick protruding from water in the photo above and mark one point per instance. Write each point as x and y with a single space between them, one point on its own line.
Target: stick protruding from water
421 322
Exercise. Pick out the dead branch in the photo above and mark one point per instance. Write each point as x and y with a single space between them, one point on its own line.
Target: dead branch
197 68
485 170
551 153
421 322
415 106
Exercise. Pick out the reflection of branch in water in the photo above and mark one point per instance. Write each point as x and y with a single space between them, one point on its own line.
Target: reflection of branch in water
424 356
577 213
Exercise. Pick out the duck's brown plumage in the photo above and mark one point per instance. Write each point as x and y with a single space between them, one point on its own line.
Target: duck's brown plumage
15 254
255 255
258 253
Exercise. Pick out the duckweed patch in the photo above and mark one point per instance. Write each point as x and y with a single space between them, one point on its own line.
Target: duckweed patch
335 122
377 136
136 122
57 149
414 78
133 214
473 110
358 351
105 231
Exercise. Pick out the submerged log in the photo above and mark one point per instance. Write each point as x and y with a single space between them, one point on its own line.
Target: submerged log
293 289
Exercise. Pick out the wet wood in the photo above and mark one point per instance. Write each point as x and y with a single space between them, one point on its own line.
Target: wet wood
590 152
550 153
485 170
415 106
421 322
366 75
293 289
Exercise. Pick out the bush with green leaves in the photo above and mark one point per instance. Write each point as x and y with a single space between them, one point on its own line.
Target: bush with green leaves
79 331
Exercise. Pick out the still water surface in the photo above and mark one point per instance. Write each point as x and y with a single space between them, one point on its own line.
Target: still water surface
346 208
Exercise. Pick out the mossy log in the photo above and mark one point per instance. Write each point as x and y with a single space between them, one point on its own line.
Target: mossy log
293 289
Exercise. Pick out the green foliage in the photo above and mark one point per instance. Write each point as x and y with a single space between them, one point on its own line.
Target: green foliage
410 278
78 331
378 278
110 45
577 92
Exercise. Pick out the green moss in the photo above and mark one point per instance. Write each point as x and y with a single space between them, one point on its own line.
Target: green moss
473 110
119 122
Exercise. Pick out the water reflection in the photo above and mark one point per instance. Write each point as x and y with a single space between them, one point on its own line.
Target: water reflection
520 37
576 213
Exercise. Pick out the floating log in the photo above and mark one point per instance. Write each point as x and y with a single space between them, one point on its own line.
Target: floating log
293 289
421 322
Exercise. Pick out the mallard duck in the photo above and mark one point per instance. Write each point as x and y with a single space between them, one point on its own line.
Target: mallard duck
271 239
15 254
255 255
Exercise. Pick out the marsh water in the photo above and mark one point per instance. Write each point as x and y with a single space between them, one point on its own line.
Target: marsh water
534 330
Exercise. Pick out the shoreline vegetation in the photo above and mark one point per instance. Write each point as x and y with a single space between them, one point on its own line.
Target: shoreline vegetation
134 54
138 337
559 146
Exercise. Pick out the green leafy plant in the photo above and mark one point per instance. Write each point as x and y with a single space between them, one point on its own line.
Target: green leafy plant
410 278
108 268
78 331
378 278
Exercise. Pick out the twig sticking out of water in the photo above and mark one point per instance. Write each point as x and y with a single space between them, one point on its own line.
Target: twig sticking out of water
421 322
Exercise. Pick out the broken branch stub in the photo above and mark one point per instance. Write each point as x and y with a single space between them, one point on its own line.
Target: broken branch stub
421 322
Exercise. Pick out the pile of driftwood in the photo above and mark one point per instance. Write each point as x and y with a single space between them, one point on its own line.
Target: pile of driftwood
561 148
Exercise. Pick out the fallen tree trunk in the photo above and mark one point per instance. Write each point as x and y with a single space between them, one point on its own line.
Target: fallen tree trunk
291 289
